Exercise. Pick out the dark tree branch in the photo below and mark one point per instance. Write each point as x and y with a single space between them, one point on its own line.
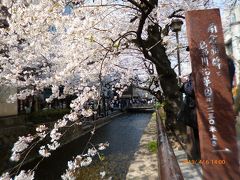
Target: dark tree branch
174 14
148 3
141 44
157 94
136 4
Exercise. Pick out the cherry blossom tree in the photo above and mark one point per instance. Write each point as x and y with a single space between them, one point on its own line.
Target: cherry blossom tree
83 45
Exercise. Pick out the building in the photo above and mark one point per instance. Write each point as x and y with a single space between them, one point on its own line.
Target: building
7 109
232 39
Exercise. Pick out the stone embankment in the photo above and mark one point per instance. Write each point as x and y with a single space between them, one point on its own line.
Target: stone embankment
11 130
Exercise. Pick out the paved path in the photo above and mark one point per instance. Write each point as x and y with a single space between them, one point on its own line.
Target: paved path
145 163
189 171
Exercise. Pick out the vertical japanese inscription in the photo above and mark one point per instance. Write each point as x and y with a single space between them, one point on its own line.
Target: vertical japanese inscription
215 114
210 54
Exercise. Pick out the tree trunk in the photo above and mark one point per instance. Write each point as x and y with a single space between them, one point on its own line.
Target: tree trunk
166 74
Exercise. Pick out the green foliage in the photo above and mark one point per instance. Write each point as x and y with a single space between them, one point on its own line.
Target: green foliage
159 105
101 157
152 146
47 115
153 118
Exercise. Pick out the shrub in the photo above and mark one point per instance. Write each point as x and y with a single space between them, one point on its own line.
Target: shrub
152 146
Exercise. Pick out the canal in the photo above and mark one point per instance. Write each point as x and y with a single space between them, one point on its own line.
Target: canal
123 134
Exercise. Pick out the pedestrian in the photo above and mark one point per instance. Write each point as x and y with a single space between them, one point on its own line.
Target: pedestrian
111 106
231 69
187 112
188 115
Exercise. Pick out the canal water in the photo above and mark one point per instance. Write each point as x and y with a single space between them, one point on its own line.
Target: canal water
123 135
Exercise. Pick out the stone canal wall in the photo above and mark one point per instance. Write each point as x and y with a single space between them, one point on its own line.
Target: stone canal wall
9 135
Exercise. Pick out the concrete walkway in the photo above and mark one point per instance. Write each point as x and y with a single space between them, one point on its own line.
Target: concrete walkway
145 163
194 171
189 171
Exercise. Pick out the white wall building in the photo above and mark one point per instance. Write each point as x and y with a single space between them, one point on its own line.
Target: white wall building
7 109
232 38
